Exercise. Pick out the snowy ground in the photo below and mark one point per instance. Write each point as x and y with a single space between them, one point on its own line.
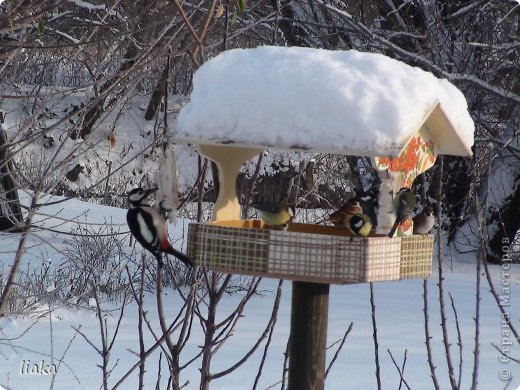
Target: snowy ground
25 341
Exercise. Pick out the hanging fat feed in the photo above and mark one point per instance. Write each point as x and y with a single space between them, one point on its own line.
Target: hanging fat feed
111 137
167 196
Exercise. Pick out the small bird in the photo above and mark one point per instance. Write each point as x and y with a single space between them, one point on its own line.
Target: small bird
403 204
341 217
360 225
276 215
148 227
424 221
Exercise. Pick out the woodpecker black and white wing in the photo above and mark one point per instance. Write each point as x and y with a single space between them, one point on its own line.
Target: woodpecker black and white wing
149 229
143 229
148 226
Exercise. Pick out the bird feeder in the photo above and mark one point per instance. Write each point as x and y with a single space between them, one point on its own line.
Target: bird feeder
247 100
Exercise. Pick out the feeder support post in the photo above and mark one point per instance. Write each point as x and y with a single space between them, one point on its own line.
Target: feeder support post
308 338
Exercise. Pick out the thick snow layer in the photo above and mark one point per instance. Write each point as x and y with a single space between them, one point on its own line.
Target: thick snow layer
334 101
26 341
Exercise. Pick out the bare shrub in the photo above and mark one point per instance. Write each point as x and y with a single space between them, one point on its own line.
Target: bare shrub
96 256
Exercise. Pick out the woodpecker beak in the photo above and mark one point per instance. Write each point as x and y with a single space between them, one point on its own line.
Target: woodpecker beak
151 191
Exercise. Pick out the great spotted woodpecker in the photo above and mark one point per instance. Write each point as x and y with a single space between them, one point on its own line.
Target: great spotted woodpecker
147 226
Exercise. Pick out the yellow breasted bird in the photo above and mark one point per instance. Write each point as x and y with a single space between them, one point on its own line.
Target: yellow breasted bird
341 217
424 221
403 204
276 215
360 225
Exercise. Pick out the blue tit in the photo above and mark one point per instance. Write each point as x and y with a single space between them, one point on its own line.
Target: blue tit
276 215
403 204
341 217
424 221
360 225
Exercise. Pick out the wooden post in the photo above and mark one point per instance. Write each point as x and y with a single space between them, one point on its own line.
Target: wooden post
308 340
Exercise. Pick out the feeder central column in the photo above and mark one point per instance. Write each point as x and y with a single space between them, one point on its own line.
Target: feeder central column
308 339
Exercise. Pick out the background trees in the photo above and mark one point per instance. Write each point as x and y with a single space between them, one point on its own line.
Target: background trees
76 75
115 56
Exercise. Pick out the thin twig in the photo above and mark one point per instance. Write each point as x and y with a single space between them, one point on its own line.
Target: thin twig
268 343
459 338
400 370
173 358
374 334
444 322
139 298
254 180
480 259
428 337
285 366
340 347
505 355
269 326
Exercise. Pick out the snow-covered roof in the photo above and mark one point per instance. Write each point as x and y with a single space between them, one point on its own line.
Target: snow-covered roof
345 102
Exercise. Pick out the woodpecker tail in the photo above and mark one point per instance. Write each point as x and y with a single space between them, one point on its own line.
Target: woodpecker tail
394 227
179 255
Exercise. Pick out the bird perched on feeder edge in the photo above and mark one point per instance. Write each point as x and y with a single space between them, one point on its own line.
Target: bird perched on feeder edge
342 216
424 221
360 225
276 215
403 204
148 227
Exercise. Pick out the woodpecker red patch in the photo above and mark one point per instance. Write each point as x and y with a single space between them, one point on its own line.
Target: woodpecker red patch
164 244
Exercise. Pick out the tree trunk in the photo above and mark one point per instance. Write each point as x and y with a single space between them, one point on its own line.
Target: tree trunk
95 112
10 209
158 93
